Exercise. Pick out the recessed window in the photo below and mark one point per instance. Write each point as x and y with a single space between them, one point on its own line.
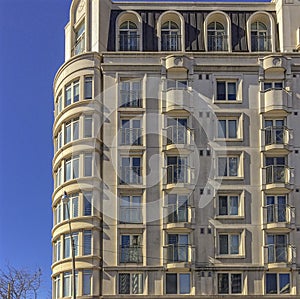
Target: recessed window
228 166
260 39
228 205
88 164
72 93
226 91
131 170
87 242
72 168
79 45
87 203
131 283
72 130
131 132
177 170
130 93
88 126
228 128
170 37
229 244
131 249
229 283
216 38
87 282
178 283
88 88
128 37
278 283
131 209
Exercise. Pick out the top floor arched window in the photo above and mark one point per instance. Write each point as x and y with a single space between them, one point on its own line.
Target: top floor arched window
260 39
216 37
170 37
128 37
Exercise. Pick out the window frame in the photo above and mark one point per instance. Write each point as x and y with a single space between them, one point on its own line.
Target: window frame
230 283
239 120
79 39
90 273
132 204
131 89
239 166
278 274
73 168
240 208
88 82
140 279
241 243
178 283
129 139
87 240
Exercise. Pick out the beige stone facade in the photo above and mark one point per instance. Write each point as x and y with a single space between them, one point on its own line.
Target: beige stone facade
177 139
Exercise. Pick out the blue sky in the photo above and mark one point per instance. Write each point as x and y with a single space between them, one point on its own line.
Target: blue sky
31 51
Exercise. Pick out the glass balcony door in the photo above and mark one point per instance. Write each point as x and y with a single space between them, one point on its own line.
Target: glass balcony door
177 130
178 248
131 170
277 248
177 208
274 131
131 132
177 171
130 209
276 209
131 251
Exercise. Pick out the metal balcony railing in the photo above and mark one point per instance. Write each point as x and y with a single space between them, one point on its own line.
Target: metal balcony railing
131 214
260 43
177 174
178 253
131 254
276 135
131 98
131 175
278 213
276 174
280 253
170 42
129 42
217 43
177 214
79 46
177 135
131 136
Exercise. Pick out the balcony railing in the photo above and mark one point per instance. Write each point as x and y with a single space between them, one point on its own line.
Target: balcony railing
129 42
170 42
280 213
276 174
276 135
131 175
177 135
280 253
177 174
178 253
217 43
131 214
131 98
131 254
79 46
177 214
260 43
131 136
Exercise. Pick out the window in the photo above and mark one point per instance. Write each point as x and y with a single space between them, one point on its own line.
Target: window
72 93
67 245
88 165
278 283
58 213
217 40
57 248
87 203
229 283
128 38
88 88
131 171
228 166
229 244
177 131
79 45
178 248
59 141
72 130
88 126
58 177
87 282
72 168
260 40
275 131
177 84
273 85
276 206
131 249
228 128
67 284
87 242
226 90
130 92
177 208
177 170
131 209
277 248
71 206
59 103
57 287
275 170
131 132
178 283
228 205
170 38
130 283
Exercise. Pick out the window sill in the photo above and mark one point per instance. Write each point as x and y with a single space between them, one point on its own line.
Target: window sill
230 178
230 256
230 217
229 139
227 101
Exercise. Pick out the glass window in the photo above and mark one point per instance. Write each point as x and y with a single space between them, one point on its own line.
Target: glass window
57 248
130 93
131 209
228 166
131 132
260 39
88 126
71 207
59 103
229 243
67 284
87 282
72 93
131 171
88 88
72 168
67 245
58 214
57 287
229 283
216 38
87 242
72 130
128 37
227 128
79 45
131 250
88 165
130 283
178 283
226 91
170 37
228 205
277 283
87 203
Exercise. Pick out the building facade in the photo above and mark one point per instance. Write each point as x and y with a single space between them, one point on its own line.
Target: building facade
177 138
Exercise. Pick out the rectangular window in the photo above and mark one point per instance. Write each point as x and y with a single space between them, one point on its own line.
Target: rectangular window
87 242
88 126
228 205
57 287
228 166
59 104
87 203
72 168
229 283
131 132
130 93
88 88
177 84
229 243
273 85
58 177
130 283
178 283
131 249
79 46
277 248
177 208
131 171
88 166
278 283
71 207
67 245
177 170
58 214
59 140
67 284
226 91
72 130
130 209
228 128
277 209
72 93
178 248
87 282
57 249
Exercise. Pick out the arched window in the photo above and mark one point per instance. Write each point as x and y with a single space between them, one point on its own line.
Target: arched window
128 37
216 38
260 40
170 37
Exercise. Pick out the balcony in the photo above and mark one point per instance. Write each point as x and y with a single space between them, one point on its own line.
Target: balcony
278 217
179 218
178 139
217 43
129 42
131 254
179 177
131 175
131 137
279 256
278 178
178 256
275 63
276 140
276 100
130 99
176 99
132 215
170 42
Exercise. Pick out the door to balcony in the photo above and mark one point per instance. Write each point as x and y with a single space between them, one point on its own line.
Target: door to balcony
177 248
177 170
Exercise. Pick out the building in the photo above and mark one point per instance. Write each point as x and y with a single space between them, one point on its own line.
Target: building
177 138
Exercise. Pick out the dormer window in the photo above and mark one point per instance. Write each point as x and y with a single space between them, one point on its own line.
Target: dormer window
79 44
260 39
216 38
170 37
128 37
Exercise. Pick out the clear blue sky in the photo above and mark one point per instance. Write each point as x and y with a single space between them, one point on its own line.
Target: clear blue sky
31 51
